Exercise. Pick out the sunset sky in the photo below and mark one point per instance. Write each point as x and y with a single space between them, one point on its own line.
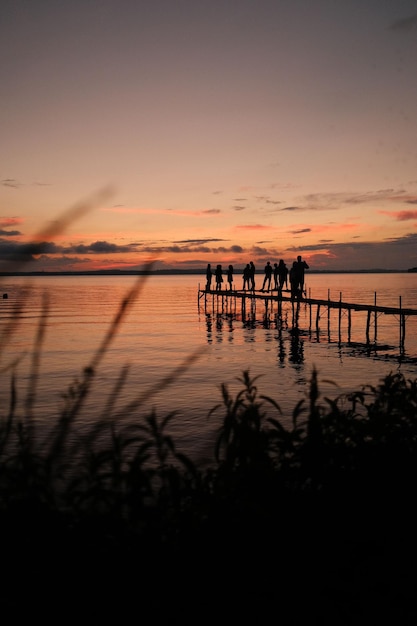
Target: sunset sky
219 132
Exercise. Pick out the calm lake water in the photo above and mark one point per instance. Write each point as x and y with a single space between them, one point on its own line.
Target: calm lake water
168 322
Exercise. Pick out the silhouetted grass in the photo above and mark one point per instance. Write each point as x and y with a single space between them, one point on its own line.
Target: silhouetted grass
289 514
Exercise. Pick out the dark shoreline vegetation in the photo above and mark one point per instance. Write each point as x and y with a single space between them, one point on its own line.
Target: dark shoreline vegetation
309 524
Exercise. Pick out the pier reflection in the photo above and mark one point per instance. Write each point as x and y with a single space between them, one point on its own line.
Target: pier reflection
296 347
303 319
222 322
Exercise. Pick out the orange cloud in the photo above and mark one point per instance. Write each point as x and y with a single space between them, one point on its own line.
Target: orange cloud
120 209
6 222
323 228
401 216
253 227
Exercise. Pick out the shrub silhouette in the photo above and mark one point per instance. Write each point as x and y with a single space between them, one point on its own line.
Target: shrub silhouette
293 496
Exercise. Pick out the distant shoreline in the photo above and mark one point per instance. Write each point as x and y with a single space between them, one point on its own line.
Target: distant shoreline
187 272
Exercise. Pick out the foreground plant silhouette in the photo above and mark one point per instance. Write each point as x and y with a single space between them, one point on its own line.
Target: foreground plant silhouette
302 496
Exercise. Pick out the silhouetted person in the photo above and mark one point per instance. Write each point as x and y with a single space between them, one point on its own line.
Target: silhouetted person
275 275
247 276
282 275
209 276
268 276
252 275
293 280
219 277
230 277
300 266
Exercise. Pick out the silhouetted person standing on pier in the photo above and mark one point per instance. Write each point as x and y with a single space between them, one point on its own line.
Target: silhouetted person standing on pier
293 280
230 277
282 275
209 276
252 275
246 277
268 276
275 275
300 266
219 277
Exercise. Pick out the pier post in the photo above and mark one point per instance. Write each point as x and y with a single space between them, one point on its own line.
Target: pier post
402 331
328 310
349 322
340 316
402 327
368 321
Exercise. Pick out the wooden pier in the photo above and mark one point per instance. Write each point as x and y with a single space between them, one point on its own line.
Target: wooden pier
227 299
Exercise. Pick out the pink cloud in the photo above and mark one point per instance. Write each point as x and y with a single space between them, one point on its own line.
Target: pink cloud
5 222
120 209
401 216
253 227
316 229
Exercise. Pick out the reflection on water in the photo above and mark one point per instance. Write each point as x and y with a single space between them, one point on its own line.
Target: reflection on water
296 347
226 323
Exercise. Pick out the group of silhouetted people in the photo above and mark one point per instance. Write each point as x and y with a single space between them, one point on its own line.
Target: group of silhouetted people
279 273
296 276
218 276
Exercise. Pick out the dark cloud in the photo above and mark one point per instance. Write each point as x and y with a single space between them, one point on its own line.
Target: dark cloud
10 233
9 248
211 211
204 249
395 253
99 247
197 241
257 251
405 24
292 208
12 251
10 182
58 264
187 249
300 231
332 201
103 247
238 208
410 239
17 253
